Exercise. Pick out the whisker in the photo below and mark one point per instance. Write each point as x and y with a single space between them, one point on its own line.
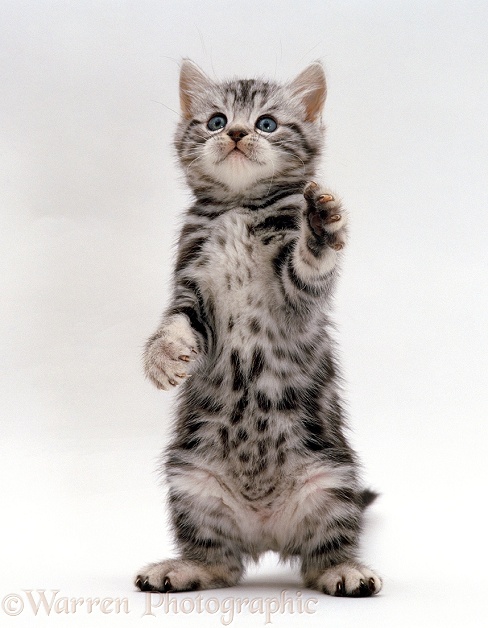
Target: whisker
162 103
187 168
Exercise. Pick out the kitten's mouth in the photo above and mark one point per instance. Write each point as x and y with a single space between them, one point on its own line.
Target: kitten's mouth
237 151
238 154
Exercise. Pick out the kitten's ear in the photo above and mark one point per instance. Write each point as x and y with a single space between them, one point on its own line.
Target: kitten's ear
193 82
311 87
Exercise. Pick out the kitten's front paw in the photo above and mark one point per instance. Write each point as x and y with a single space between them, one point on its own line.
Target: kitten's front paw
349 580
325 216
170 353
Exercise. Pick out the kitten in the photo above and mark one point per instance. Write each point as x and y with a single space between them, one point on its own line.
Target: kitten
258 459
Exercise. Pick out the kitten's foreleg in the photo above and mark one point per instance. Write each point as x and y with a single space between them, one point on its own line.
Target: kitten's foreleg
307 271
323 234
182 337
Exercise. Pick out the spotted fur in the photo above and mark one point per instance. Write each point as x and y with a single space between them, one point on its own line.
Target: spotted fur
258 459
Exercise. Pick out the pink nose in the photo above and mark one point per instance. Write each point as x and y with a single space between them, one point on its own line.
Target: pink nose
237 133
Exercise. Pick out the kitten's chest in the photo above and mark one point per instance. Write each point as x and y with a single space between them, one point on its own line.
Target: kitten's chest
238 272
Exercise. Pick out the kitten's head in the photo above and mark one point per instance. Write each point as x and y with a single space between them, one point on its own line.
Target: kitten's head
234 135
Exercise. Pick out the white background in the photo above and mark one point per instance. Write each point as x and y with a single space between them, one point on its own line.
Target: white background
90 199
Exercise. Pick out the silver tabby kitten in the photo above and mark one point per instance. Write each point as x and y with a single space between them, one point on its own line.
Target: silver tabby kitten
258 459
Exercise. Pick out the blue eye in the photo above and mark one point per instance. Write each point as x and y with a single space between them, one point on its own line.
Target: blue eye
266 124
217 122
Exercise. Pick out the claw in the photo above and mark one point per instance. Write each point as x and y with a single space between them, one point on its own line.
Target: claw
339 589
325 198
184 358
372 585
172 382
167 586
363 589
144 584
337 246
334 218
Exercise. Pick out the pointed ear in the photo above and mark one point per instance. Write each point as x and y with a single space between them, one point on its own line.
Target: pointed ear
192 83
311 87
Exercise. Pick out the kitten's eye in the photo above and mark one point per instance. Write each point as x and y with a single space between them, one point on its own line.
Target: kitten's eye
266 124
217 122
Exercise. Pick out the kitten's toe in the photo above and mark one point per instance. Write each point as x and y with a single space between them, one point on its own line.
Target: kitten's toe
142 583
168 363
154 577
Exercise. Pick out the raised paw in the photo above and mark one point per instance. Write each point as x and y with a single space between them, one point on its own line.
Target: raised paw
349 580
325 216
183 575
170 353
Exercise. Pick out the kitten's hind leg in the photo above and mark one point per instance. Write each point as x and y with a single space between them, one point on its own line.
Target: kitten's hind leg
210 554
329 547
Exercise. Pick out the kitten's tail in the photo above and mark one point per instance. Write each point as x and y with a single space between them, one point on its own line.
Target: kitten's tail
367 497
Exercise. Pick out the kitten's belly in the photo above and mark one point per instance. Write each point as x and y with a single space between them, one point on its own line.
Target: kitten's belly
273 523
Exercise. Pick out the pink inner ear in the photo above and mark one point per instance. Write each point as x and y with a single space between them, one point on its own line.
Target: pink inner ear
314 103
186 85
192 81
310 85
185 103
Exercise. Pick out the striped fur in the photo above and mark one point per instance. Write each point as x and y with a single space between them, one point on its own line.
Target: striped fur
258 459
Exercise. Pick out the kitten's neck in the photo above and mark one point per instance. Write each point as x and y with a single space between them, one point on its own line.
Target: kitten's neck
218 193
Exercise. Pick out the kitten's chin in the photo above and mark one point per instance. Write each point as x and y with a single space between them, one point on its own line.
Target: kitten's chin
239 173
237 170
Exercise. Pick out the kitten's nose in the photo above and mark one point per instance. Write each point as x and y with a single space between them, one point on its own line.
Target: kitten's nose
237 133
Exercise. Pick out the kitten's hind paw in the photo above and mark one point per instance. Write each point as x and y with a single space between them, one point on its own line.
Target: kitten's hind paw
346 580
325 216
184 575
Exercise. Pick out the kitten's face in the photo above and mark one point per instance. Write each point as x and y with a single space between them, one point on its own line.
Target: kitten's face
243 132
